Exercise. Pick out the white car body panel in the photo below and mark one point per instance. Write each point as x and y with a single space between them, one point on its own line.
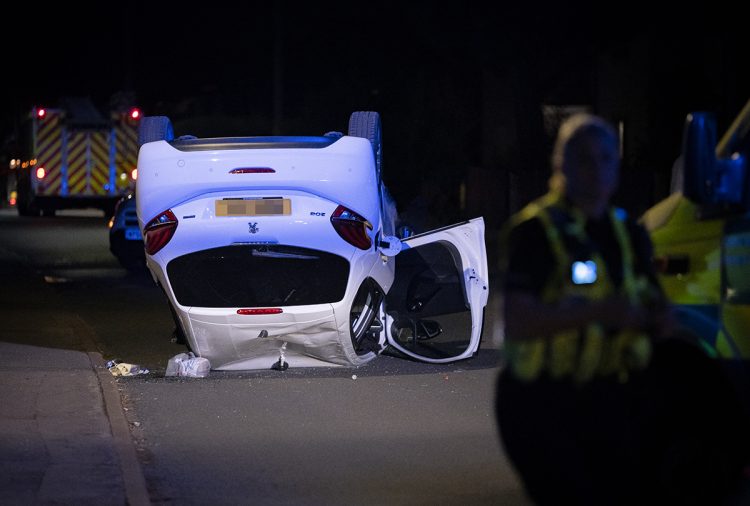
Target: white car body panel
309 334
168 176
468 239
316 180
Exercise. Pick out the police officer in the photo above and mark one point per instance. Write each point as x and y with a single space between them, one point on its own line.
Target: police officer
587 394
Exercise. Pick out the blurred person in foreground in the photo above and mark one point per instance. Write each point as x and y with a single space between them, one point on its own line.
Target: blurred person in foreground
599 401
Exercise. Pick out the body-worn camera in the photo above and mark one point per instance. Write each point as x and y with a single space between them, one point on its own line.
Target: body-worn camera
583 272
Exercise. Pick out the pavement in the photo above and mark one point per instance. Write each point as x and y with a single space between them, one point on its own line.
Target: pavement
64 437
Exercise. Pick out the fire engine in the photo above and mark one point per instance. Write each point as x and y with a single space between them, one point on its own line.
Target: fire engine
74 157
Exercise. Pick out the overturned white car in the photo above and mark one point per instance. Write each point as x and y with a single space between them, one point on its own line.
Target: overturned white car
281 251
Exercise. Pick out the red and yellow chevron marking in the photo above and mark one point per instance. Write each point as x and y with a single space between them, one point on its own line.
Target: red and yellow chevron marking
99 163
49 155
80 146
126 157
77 180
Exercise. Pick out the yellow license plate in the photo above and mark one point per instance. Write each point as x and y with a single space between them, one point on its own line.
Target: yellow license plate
254 207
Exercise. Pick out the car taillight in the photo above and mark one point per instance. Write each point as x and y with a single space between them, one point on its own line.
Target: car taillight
159 231
351 227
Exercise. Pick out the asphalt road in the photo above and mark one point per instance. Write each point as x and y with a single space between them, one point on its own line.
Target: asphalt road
389 433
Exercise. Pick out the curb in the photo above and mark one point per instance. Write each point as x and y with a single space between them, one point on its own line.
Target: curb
136 492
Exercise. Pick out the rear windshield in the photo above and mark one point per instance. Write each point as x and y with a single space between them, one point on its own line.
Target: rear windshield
258 276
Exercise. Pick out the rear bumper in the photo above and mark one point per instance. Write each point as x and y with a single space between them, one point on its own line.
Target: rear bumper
302 335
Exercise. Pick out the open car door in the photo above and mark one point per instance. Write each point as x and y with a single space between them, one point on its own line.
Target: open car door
434 311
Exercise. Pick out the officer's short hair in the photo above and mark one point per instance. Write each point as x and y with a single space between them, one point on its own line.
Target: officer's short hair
573 128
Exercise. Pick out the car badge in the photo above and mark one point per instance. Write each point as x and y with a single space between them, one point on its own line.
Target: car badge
253 227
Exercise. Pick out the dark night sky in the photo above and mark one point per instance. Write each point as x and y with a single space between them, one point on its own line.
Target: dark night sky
210 66
335 54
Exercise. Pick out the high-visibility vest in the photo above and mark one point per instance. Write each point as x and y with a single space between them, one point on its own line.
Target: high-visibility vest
580 354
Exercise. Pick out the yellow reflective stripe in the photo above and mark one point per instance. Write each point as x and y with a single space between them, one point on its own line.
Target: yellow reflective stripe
735 320
562 354
551 290
525 358
126 153
48 152
626 250
591 352
77 163
99 178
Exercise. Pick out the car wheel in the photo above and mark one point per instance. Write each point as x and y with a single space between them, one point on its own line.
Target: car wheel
365 326
366 124
155 128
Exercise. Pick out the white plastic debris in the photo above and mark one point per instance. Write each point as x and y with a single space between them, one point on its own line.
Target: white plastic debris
173 366
282 356
188 365
281 364
120 368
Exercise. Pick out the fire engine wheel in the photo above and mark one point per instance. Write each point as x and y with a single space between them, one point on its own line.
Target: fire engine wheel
155 128
367 124
26 204
27 208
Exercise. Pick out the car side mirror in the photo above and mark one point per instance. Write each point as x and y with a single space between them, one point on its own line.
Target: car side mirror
714 174
698 157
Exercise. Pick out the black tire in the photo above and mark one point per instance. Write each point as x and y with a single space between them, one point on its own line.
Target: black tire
25 208
366 124
363 318
155 128
29 208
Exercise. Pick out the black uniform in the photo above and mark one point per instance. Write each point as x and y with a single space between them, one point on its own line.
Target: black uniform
670 435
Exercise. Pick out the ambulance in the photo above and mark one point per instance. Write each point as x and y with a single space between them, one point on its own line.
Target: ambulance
701 237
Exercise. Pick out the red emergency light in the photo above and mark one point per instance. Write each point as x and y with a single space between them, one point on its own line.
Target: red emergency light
135 113
41 112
